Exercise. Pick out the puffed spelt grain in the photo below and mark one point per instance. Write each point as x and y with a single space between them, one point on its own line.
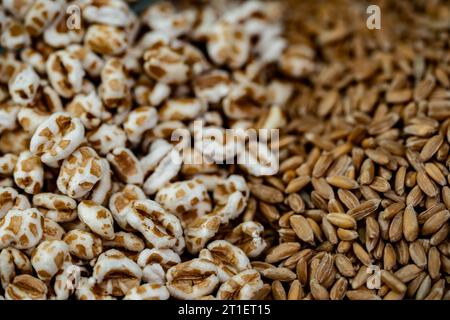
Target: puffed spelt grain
246 285
8 197
65 73
229 259
89 108
125 240
248 237
165 18
52 230
21 229
8 116
138 121
106 39
114 90
29 172
14 35
12 261
155 262
198 232
126 165
160 228
186 199
80 172
49 257
163 63
115 274
82 244
192 279
86 291
56 138
23 85
26 287
57 207
106 138
148 291
98 218
58 35
65 282
166 170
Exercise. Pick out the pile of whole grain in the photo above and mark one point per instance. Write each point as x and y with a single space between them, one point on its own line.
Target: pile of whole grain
99 201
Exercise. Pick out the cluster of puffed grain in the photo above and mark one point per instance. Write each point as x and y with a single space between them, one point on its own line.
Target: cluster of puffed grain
93 203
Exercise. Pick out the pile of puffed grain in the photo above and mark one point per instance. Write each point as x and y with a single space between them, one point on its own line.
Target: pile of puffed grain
99 201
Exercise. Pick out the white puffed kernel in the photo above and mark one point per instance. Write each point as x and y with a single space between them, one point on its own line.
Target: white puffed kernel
245 285
56 138
21 229
106 138
165 64
83 244
114 89
120 201
161 229
7 164
106 39
65 73
18 8
29 172
228 45
57 207
230 260
126 165
23 85
14 34
181 109
165 257
52 230
192 279
158 150
148 291
138 121
8 197
85 290
163 17
34 58
248 237
49 257
115 273
186 199
297 61
200 231
11 260
167 169
80 172
8 116
26 287
98 218
58 35
41 14
91 62
212 85
125 240
89 108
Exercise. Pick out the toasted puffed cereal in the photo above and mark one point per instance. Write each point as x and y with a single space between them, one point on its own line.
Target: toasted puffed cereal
80 172
29 173
98 218
56 138
49 257
192 279
161 229
21 229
